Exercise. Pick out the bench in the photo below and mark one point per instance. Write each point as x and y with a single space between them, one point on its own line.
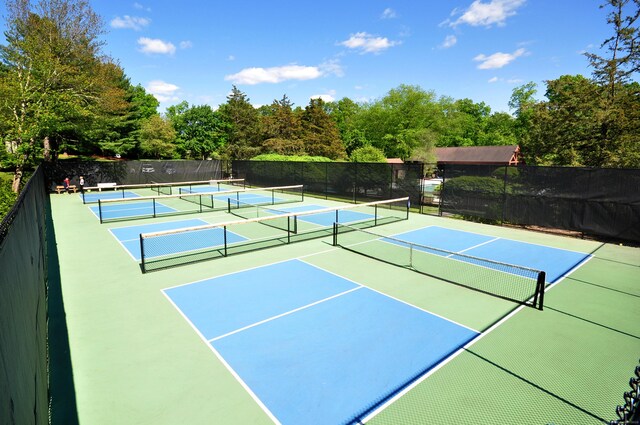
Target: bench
106 186
60 189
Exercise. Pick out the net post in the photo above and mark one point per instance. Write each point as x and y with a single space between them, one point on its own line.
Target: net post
375 215
100 210
408 208
122 190
200 202
273 196
154 207
225 239
229 205
540 290
335 234
302 189
144 269
289 229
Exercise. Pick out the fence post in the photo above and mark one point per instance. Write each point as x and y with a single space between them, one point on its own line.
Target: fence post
504 195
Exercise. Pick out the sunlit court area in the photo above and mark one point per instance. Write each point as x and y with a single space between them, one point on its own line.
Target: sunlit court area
232 301
320 213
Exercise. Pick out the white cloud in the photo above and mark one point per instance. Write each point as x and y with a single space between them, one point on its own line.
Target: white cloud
487 14
130 22
163 91
449 41
186 44
231 58
330 96
368 43
276 74
388 13
498 60
154 45
493 80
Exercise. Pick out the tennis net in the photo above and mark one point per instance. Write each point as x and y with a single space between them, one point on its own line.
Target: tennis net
249 210
166 249
162 205
203 186
512 282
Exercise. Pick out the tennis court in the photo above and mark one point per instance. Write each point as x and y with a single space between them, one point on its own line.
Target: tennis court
302 310
318 332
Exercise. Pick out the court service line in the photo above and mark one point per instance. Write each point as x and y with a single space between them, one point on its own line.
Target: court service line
396 299
225 363
295 310
475 246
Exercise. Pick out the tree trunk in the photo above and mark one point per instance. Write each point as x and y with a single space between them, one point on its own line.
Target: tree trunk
17 179
47 149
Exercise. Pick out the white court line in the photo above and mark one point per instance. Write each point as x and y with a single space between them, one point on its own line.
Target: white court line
475 246
396 299
440 365
285 314
224 362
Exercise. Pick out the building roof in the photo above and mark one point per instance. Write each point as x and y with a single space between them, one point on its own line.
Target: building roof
499 155
394 161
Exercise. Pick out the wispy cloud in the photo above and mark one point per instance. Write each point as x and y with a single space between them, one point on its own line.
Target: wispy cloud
163 91
367 43
494 12
493 80
498 60
186 44
449 41
157 46
130 22
388 13
141 7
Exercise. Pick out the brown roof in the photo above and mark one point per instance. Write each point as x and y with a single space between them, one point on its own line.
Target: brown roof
479 155
395 161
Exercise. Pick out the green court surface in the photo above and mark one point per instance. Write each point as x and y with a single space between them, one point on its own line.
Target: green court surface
122 354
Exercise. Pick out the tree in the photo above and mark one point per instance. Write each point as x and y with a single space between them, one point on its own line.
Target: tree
623 47
344 112
282 129
243 126
367 154
201 132
392 123
156 138
321 135
55 80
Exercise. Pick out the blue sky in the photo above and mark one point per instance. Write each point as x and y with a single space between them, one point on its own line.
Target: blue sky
195 50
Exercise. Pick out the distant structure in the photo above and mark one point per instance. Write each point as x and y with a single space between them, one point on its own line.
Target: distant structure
480 155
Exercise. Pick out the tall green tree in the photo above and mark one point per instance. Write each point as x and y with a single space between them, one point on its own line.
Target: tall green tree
201 132
320 132
399 121
282 129
157 138
623 47
56 80
243 126
344 113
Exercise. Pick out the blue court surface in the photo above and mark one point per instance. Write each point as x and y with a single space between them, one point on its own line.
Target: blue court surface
327 219
134 209
95 196
554 261
250 198
129 237
311 346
